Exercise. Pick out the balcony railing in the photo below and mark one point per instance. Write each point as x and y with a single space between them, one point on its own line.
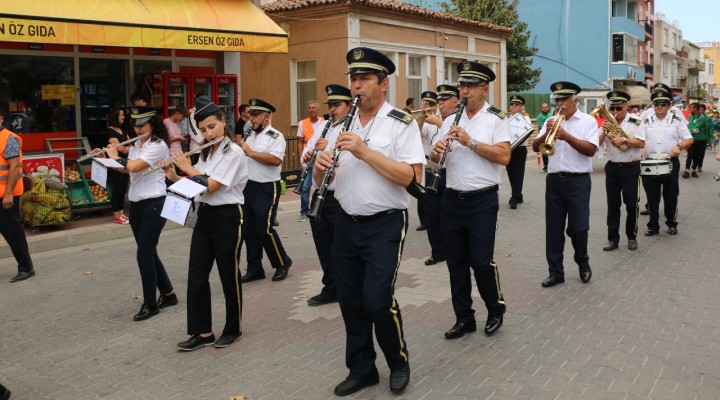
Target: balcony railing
682 53
649 69
648 29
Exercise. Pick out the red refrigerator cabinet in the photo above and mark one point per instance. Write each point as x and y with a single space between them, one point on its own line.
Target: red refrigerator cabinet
227 98
202 84
175 92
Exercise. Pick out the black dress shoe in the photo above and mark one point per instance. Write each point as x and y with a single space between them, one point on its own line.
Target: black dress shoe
610 246
513 204
585 275
195 342
350 386
321 299
4 393
282 272
632 244
226 340
644 212
459 329
146 312
275 222
651 232
421 228
493 323
672 231
552 280
399 379
252 276
167 300
22 275
434 260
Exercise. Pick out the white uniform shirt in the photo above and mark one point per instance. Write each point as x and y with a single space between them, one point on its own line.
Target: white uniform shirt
650 111
466 170
362 191
264 142
662 135
519 124
227 166
566 158
152 185
331 136
428 134
632 127
196 137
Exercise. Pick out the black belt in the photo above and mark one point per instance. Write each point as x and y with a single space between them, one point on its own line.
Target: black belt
217 206
473 193
358 218
566 174
625 164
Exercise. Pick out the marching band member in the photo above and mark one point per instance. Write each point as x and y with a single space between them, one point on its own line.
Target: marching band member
516 168
429 100
216 237
147 195
447 101
380 157
622 171
674 110
665 136
265 149
480 143
568 184
323 229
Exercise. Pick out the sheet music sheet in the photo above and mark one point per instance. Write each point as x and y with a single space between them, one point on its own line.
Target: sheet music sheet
175 209
187 188
108 162
98 173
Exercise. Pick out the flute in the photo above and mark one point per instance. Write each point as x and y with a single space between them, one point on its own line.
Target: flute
97 152
165 163
305 172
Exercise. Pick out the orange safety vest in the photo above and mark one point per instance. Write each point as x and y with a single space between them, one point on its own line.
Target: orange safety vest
5 167
308 130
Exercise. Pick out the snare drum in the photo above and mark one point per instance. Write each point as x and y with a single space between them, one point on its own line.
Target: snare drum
652 167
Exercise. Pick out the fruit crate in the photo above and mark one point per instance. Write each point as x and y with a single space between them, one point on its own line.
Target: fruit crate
85 193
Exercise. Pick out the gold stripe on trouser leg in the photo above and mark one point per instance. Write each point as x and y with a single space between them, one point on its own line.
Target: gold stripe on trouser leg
268 225
237 267
637 207
393 307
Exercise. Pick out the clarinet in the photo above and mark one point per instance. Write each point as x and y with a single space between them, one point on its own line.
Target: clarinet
311 161
316 208
435 180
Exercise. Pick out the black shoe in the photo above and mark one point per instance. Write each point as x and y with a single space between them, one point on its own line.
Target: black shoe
651 232
685 174
694 174
632 244
226 340
195 342
4 393
493 323
421 228
350 386
167 300
275 222
399 379
321 299
459 329
252 276
22 275
513 204
645 212
282 272
434 260
672 230
609 246
552 280
146 312
585 275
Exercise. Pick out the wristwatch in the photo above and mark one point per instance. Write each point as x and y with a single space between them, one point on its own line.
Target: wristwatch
473 144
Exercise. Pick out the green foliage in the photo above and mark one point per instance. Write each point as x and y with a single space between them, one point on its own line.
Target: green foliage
521 76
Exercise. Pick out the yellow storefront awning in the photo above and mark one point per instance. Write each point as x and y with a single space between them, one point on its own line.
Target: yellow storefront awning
219 25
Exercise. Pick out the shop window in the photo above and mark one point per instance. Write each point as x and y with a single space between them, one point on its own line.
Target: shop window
305 88
37 94
147 78
102 84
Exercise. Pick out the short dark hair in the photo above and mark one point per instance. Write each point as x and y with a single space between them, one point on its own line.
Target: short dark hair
182 110
137 96
244 107
409 101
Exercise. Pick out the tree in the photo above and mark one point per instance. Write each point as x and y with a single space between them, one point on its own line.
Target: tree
521 77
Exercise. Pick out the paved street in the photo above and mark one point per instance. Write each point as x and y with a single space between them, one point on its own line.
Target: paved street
646 327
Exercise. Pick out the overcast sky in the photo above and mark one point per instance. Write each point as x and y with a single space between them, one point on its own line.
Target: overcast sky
699 19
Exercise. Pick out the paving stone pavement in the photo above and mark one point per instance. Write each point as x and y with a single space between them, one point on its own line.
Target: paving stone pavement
646 327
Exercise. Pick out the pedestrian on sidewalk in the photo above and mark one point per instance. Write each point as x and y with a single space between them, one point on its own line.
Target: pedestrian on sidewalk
147 195
118 180
314 123
700 126
11 187
216 237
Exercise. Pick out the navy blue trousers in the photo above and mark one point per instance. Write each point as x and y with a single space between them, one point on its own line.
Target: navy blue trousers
516 172
468 227
366 258
567 199
622 185
670 189
147 224
432 210
12 230
323 235
260 210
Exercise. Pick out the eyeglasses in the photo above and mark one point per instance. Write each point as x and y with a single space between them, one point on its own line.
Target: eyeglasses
617 108
661 104
515 104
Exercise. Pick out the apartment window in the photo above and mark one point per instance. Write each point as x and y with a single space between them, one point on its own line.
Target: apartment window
451 74
632 10
305 87
625 49
666 37
414 76
675 40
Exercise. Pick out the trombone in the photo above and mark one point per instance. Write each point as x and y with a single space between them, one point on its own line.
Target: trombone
548 147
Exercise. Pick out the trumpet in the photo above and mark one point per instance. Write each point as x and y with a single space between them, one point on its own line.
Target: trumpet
424 112
99 152
548 148
165 163
615 130
435 180
306 171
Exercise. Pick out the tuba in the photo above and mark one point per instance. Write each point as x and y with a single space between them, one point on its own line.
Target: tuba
548 148
615 130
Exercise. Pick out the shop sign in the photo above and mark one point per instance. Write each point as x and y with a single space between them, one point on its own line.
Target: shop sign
65 93
35 46
39 31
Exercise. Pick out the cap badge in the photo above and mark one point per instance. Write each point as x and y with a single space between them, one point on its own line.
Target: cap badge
358 54
134 111
466 66
252 102
329 90
559 86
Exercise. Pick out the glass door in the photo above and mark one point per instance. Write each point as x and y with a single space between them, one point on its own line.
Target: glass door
103 84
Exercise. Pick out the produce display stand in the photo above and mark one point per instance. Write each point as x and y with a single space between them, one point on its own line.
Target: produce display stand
83 193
